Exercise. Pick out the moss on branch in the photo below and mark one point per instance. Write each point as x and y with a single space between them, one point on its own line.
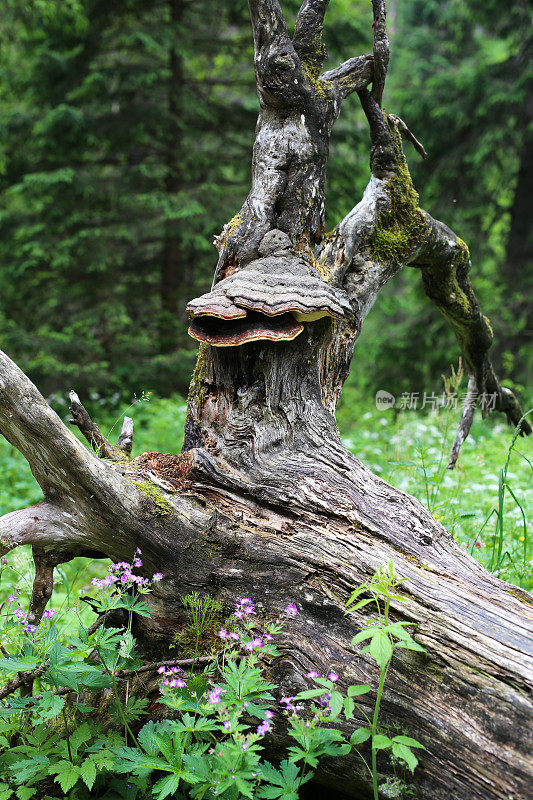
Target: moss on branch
402 227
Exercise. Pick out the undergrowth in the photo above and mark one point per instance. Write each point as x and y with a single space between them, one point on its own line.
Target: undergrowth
486 511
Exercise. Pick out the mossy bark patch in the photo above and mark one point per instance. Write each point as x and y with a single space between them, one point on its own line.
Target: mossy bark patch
402 227
162 504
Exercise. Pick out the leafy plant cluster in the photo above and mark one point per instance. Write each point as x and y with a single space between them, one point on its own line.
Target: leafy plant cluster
70 728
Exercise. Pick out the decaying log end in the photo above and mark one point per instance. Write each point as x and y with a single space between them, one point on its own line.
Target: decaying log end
467 417
125 440
91 431
45 561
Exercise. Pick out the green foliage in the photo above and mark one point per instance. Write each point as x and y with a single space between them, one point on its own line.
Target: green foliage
51 740
203 616
385 636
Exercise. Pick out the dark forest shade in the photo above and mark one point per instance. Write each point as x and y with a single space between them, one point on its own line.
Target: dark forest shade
126 134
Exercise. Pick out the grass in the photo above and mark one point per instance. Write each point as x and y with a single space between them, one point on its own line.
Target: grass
484 505
485 502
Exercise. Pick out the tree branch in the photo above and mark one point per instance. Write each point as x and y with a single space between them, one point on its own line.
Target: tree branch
307 39
384 156
43 583
444 261
59 461
467 418
380 49
268 23
351 76
409 135
22 679
42 525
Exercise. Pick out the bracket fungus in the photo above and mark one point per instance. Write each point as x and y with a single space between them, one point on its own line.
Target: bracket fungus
269 298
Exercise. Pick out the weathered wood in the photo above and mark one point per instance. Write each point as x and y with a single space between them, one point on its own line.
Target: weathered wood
264 500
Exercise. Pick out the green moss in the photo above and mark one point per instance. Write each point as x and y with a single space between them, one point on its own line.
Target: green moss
402 226
196 387
162 504
232 226
464 247
312 63
520 594
313 80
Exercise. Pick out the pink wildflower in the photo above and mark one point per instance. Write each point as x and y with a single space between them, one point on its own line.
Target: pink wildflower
214 695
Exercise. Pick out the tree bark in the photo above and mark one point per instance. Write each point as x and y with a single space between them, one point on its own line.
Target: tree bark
264 500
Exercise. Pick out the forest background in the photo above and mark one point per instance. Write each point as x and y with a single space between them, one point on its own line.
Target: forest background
125 145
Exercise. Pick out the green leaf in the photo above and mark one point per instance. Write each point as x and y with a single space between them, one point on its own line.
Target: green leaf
25 792
50 706
403 752
79 736
29 768
16 664
408 741
309 693
381 649
67 774
354 691
284 783
336 704
126 645
366 633
165 786
349 706
363 603
354 595
410 644
359 736
380 742
88 773
146 739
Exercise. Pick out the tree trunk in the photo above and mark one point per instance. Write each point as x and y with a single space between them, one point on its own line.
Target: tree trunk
264 500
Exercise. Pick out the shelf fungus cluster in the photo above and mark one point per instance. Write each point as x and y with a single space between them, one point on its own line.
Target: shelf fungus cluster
270 298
